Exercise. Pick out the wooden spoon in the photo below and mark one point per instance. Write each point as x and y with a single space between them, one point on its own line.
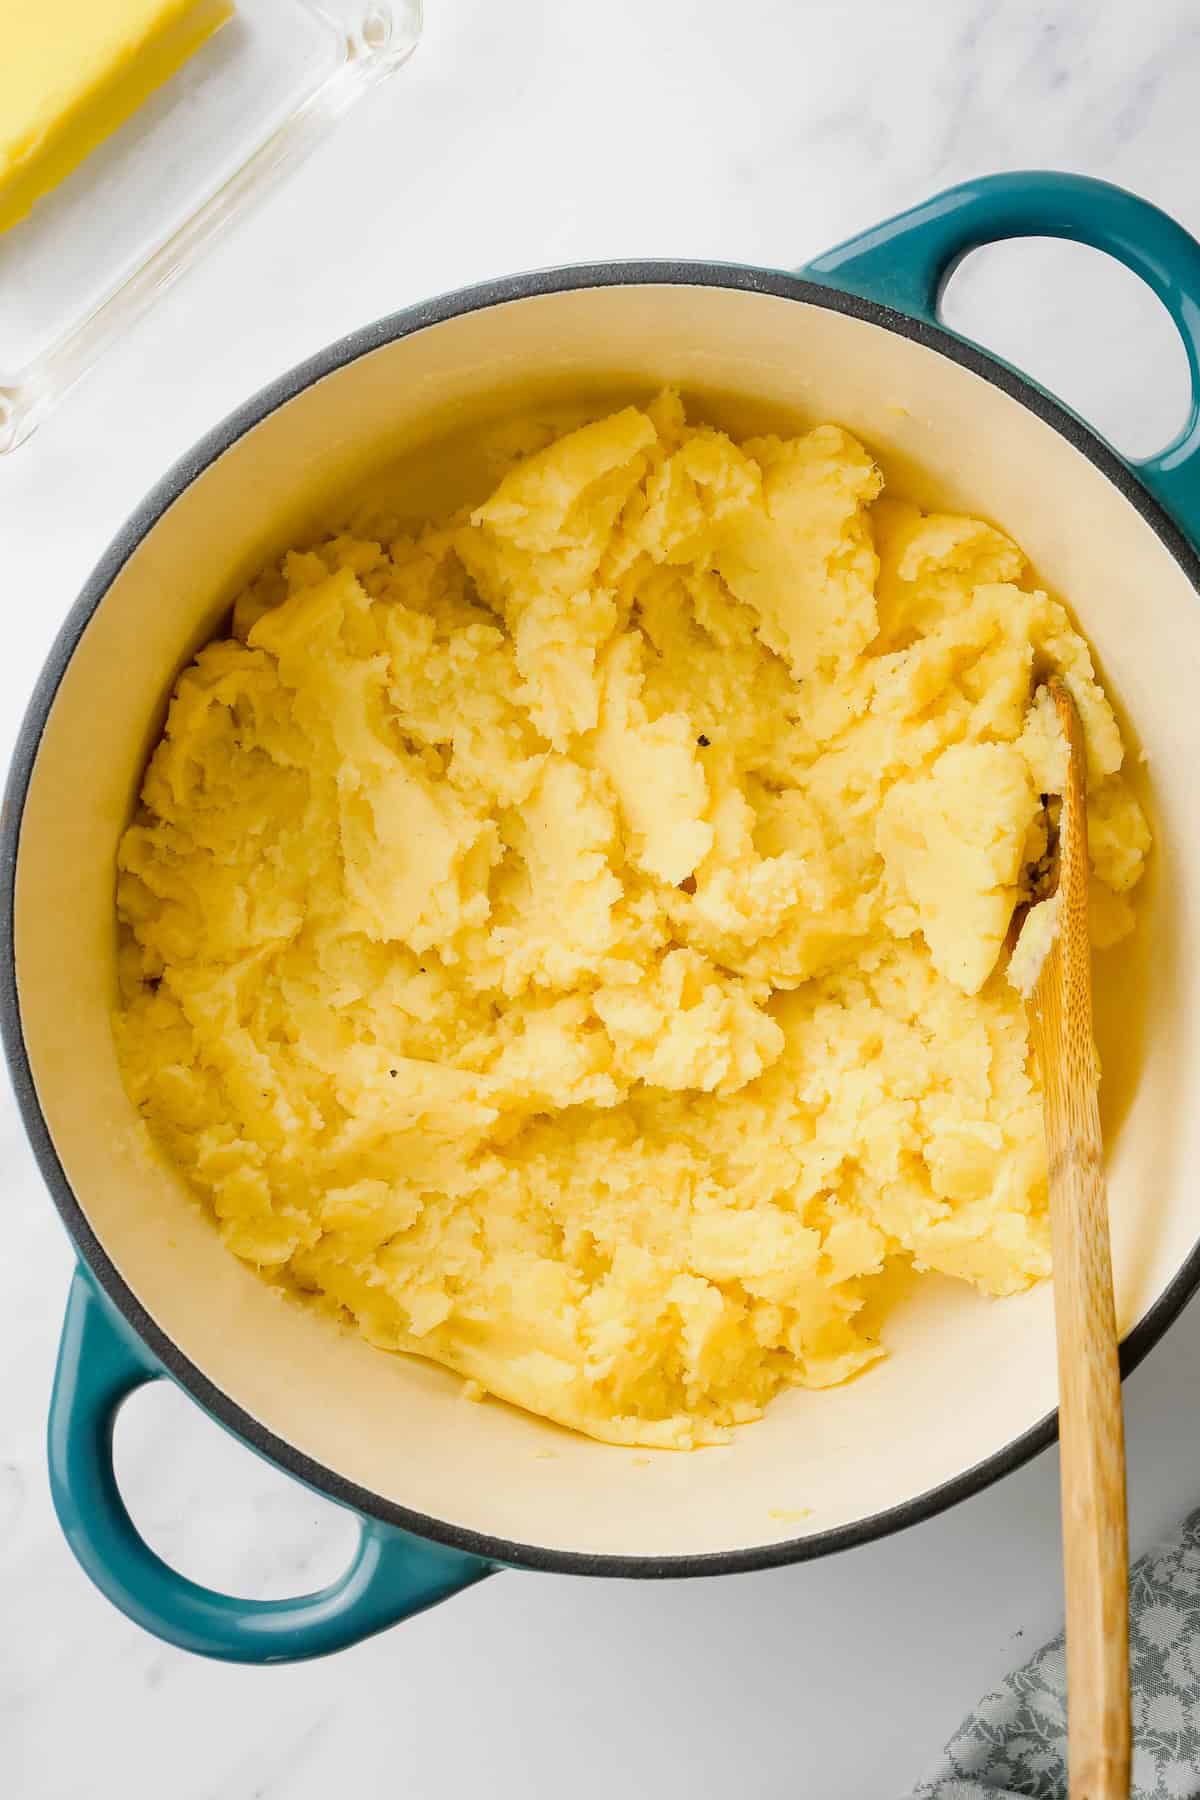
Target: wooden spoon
1091 1433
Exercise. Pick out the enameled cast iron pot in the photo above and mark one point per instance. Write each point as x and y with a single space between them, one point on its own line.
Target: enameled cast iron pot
447 1492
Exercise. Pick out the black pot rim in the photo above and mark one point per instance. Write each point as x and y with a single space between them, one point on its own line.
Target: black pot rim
214 1400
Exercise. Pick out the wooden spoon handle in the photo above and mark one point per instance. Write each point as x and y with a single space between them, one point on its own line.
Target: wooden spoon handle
1091 1430
1095 1541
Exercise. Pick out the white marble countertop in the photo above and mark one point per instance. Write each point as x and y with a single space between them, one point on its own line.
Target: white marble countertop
527 134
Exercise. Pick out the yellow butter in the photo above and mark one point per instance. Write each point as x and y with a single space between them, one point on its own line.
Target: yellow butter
566 942
72 71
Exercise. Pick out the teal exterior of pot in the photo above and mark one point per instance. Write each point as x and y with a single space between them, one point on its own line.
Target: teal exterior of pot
391 1576
906 262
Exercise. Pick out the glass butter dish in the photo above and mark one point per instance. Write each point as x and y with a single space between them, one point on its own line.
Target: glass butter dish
246 108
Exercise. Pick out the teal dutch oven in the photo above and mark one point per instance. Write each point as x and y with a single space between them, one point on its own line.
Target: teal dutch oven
445 1492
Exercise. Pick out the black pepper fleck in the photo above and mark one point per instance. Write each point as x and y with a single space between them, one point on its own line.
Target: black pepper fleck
702 741
393 1073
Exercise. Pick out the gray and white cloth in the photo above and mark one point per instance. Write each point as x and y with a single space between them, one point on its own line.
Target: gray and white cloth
1013 1746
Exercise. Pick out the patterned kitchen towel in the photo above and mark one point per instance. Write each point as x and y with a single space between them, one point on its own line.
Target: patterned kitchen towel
1013 1746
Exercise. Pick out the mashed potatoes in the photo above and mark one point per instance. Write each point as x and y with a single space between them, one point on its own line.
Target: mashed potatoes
569 941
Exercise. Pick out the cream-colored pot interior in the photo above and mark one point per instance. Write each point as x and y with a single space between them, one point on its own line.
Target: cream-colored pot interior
967 1375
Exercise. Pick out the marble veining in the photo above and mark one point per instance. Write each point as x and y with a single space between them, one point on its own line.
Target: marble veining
523 135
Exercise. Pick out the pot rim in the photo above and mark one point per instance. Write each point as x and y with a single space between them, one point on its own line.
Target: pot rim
141 522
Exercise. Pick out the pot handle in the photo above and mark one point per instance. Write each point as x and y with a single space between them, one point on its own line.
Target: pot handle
906 262
391 1576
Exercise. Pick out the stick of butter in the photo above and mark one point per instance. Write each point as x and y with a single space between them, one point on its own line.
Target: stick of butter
72 71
